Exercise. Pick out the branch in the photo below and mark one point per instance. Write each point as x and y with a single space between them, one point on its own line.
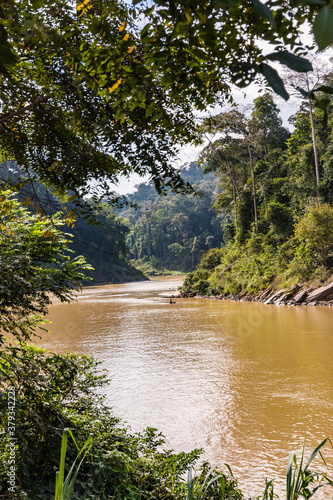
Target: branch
21 111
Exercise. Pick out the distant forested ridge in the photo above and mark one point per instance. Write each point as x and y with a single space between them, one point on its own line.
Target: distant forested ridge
104 247
171 233
277 187
95 231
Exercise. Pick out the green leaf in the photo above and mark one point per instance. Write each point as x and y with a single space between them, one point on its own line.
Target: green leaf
315 2
243 74
37 4
274 80
296 63
150 110
309 95
325 88
226 3
7 56
264 11
96 26
323 28
323 103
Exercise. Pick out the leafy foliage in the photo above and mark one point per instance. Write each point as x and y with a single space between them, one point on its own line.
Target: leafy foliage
58 391
81 103
34 262
293 243
87 92
315 229
97 233
196 39
171 233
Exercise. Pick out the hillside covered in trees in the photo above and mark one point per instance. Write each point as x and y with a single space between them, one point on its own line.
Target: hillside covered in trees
170 233
159 235
278 188
93 228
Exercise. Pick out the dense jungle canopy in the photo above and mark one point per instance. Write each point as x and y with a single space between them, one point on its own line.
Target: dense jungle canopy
95 90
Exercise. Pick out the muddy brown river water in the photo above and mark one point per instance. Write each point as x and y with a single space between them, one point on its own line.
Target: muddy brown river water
245 381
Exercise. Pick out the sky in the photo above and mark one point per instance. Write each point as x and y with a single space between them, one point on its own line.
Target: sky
243 97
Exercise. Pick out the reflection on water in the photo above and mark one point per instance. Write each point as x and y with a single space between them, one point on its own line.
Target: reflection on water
244 381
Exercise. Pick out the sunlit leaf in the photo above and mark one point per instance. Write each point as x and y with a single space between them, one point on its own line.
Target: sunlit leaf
82 5
116 85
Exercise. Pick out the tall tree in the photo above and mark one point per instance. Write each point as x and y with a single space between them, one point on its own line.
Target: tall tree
86 95
235 122
266 123
34 263
303 86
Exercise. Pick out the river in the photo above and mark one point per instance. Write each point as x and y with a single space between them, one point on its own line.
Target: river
245 381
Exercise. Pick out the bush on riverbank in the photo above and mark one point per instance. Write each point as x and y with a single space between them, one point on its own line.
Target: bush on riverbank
57 391
153 268
262 261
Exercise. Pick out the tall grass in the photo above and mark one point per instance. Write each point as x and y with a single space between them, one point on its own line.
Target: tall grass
301 481
300 478
223 487
209 480
64 487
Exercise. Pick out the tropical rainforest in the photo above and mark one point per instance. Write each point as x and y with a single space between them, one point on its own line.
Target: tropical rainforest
170 233
278 187
92 91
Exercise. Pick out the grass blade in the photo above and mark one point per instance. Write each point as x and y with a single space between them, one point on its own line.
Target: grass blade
64 487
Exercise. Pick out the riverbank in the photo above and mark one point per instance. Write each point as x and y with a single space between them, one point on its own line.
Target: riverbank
296 295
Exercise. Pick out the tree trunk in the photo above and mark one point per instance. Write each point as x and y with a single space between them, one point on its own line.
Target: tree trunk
150 252
254 188
314 142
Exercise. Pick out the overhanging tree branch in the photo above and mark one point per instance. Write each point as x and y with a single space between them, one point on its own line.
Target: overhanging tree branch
29 107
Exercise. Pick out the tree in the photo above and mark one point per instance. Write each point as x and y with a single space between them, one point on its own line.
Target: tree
80 104
86 95
34 263
222 155
234 122
216 42
266 125
304 86
179 225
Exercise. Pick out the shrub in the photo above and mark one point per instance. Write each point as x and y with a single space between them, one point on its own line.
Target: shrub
315 230
54 392
210 259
